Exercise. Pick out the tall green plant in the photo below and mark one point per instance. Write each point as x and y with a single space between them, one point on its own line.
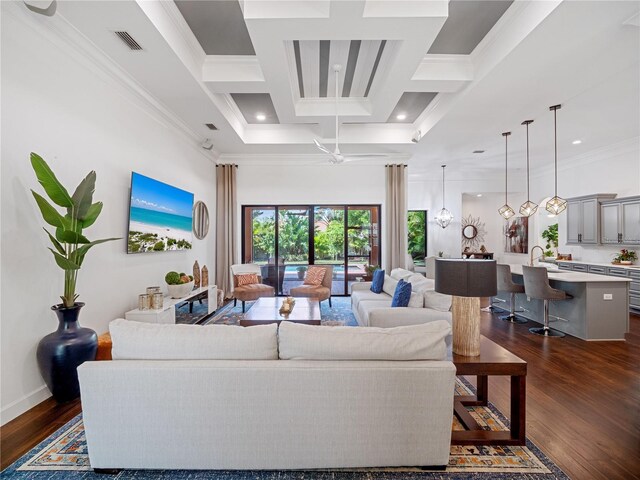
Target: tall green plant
551 237
70 245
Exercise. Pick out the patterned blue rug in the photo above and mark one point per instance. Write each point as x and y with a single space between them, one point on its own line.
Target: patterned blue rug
339 313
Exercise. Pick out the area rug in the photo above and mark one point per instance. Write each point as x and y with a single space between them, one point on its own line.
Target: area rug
63 455
339 314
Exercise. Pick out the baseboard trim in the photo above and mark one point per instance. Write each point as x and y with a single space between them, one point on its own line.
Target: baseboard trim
20 406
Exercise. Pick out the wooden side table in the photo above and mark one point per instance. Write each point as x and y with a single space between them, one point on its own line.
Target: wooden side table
493 360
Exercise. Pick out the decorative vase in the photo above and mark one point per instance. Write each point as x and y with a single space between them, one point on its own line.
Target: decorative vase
196 274
60 353
626 262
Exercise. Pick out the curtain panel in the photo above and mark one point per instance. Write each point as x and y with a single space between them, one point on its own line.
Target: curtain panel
396 247
226 225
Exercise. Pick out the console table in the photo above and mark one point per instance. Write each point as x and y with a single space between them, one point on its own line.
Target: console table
167 314
493 360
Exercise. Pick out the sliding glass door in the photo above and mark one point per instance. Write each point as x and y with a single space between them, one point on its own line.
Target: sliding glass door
344 236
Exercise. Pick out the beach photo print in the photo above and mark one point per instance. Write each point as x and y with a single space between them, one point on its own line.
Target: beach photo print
160 216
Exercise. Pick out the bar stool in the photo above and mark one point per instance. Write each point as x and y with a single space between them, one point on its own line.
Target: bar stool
536 285
506 284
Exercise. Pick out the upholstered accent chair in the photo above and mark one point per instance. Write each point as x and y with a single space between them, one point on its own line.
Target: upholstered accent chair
318 292
253 291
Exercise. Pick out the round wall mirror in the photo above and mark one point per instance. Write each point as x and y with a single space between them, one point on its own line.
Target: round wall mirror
200 220
469 232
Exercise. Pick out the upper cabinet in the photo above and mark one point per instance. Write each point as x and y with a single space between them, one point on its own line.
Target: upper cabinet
620 220
583 219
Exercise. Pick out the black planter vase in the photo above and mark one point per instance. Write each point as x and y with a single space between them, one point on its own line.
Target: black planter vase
61 352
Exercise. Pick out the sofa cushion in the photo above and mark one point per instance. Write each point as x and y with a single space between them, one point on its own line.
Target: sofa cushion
400 274
416 300
365 306
315 276
416 342
152 341
389 285
437 301
378 281
420 283
367 295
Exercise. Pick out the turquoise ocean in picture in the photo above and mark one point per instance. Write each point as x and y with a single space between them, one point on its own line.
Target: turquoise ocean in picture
160 219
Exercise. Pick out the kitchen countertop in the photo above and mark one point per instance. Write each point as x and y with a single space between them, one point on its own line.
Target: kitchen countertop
631 267
576 277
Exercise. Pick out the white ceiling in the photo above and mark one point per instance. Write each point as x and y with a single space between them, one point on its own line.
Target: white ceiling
577 53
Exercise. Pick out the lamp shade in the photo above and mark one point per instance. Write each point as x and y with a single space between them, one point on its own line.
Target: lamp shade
466 278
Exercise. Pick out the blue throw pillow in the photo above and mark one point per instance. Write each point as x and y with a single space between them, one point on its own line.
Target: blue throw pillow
402 294
378 281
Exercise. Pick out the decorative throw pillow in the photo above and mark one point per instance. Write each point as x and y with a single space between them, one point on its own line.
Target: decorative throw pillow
378 281
315 276
246 279
402 295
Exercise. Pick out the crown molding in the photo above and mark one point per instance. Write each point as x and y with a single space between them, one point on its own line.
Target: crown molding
60 32
301 159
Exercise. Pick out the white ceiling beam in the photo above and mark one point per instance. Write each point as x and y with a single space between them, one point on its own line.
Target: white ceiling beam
364 65
442 73
233 74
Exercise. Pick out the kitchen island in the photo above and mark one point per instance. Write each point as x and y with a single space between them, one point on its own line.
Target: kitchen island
599 309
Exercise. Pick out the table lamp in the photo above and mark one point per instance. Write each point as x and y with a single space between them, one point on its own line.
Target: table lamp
467 280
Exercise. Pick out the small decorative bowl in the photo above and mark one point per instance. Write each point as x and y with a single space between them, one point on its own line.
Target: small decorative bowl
179 291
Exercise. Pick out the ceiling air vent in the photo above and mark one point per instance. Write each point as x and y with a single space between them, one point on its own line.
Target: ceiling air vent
211 126
129 40
478 151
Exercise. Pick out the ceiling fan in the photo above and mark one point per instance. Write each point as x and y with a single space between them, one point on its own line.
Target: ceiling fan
336 157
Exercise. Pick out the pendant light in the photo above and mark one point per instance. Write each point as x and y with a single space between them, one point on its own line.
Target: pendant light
444 216
506 211
556 205
528 208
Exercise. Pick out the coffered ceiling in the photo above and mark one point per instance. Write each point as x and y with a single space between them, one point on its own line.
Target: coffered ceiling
453 73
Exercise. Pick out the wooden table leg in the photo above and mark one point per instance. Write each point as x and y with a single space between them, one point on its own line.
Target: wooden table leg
518 408
482 389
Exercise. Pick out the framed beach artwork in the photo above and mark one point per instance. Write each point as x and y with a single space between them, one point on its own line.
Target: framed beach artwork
517 235
160 216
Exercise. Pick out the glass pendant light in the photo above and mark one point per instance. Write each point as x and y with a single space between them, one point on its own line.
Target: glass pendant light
528 208
556 205
506 211
444 216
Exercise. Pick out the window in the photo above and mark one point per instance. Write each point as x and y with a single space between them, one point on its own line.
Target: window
285 239
417 232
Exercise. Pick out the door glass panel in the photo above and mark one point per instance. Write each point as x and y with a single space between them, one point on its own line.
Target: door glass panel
328 243
417 235
363 242
260 240
293 247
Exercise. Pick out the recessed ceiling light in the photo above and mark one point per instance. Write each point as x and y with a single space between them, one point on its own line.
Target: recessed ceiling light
261 117
478 151
577 142
401 116
479 195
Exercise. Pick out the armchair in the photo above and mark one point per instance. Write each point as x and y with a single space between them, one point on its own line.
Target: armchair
248 293
319 292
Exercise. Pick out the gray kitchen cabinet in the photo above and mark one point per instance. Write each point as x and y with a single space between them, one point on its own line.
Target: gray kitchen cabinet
620 221
583 219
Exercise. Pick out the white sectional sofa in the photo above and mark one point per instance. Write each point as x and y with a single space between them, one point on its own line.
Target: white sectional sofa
227 397
374 309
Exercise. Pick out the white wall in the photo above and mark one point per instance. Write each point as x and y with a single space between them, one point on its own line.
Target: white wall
309 184
615 169
78 119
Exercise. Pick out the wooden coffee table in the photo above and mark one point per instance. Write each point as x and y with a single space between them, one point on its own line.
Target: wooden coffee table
493 360
266 310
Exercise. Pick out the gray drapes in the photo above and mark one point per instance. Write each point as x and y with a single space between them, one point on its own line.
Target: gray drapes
396 222
226 215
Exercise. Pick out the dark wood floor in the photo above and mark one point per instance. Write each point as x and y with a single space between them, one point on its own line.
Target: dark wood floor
583 402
